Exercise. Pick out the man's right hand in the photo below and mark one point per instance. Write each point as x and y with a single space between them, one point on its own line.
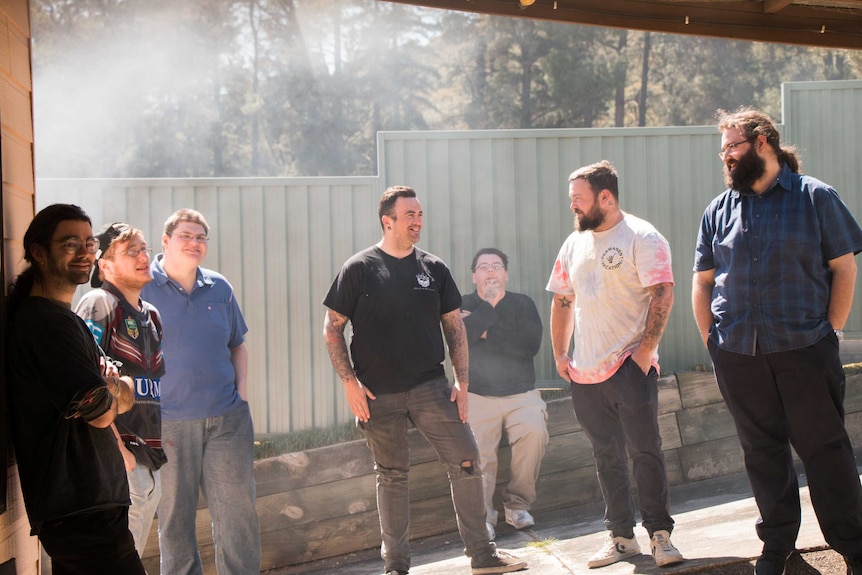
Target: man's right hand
357 398
563 362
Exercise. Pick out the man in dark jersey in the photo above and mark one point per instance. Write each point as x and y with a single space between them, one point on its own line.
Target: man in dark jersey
62 403
129 330
396 298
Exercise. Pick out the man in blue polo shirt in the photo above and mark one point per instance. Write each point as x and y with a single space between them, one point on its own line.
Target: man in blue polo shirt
207 430
773 285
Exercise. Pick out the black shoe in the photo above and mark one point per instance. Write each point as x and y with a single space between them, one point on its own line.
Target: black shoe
854 564
771 562
395 572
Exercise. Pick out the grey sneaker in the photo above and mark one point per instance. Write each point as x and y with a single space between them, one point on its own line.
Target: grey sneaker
519 518
395 572
663 550
499 562
614 549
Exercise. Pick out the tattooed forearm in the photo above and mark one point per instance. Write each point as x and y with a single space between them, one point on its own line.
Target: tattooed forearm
658 314
333 334
564 301
456 339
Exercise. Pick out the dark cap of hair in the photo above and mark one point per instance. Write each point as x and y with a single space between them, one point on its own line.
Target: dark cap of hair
108 234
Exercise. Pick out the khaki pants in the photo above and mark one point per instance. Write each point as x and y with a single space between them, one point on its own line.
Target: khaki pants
523 417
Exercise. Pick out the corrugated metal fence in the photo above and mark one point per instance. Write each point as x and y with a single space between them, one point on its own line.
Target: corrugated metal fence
281 241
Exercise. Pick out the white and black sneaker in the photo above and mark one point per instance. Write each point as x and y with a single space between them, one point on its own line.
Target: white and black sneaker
614 549
663 550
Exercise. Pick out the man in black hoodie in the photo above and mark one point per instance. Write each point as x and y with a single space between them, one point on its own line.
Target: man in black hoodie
504 332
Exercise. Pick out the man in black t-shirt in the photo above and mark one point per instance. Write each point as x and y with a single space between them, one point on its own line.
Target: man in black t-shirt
396 298
62 403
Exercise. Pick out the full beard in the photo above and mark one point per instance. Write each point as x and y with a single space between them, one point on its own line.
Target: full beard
589 221
67 275
747 170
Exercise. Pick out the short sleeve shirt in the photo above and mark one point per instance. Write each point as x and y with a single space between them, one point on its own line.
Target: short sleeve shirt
770 253
609 273
66 465
394 306
200 328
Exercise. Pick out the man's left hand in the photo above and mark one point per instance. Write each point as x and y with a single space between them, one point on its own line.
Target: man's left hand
460 397
643 359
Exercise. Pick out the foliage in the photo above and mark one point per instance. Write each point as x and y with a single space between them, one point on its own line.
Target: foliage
155 88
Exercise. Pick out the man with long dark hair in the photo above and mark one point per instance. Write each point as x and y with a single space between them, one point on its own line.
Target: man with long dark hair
774 275
62 403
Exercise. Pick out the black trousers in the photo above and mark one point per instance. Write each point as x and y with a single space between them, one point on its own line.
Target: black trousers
794 398
92 543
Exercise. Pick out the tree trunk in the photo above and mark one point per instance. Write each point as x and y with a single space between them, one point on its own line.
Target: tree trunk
642 96
620 94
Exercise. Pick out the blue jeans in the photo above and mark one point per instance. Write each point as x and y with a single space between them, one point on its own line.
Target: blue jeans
145 489
436 418
215 455
617 415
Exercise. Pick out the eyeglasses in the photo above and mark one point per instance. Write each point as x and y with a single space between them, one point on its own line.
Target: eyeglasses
73 245
488 267
187 238
135 252
730 147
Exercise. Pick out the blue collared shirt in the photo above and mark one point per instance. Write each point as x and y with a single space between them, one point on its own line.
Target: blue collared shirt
770 254
199 330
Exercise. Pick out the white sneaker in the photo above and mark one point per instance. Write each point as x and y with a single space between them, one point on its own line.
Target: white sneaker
615 549
492 532
519 518
663 550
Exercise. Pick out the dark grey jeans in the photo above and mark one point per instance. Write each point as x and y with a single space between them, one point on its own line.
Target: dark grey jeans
436 418
621 414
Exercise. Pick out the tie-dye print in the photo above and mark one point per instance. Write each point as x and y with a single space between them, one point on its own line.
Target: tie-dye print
608 274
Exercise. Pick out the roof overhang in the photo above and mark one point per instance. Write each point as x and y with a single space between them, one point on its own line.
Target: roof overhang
825 23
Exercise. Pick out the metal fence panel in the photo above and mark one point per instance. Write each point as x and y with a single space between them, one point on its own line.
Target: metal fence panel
280 241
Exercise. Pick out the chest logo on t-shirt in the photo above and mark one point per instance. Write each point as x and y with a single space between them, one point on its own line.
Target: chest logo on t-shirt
424 280
132 328
612 258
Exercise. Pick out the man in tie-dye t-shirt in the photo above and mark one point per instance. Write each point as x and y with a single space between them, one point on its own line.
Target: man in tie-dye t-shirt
613 291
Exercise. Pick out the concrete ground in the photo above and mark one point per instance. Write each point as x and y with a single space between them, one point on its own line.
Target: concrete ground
714 530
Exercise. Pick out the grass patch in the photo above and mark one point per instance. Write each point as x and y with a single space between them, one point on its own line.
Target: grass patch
543 545
273 444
